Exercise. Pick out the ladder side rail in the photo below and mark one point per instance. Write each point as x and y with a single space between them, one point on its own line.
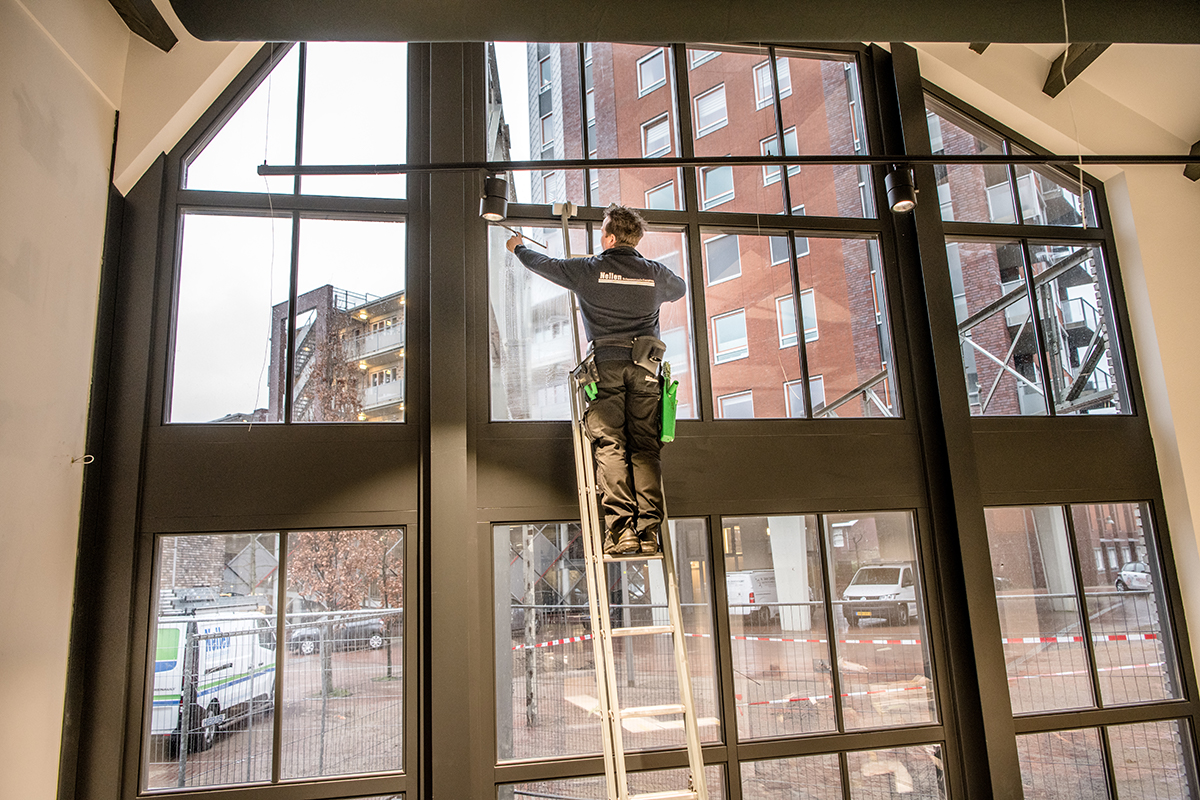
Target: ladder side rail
675 611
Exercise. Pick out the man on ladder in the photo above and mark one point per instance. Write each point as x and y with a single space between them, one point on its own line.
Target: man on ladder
620 293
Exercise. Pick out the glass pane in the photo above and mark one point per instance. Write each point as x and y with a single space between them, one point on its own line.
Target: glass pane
344 702
1153 761
1086 373
1051 198
777 618
846 327
593 788
542 610
740 298
915 773
1044 647
877 599
968 192
738 189
809 778
262 129
213 661
356 112
1123 588
531 350
1000 358
669 247
224 339
831 191
732 111
535 98
350 322
1063 765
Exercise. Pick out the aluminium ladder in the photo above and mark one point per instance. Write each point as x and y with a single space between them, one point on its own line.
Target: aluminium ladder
603 633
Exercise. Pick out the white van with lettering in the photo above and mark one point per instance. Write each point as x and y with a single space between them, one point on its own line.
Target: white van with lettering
752 595
211 670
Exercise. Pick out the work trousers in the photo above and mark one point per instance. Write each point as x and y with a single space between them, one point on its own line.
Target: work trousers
623 424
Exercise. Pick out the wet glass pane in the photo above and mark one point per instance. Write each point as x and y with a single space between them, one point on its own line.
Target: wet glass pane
995 330
1045 650
778 622
809 778
1051 198
732 109
214 656
593 787
350 323
660 189
545 653
344 690
915 773
882 647
1123 588
846 330
356 112
968 192
741 296
226 337
263 128
1086 373
1153 761
1063 765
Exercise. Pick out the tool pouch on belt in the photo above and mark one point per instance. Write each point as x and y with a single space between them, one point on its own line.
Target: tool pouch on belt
586 376
648 353
670 400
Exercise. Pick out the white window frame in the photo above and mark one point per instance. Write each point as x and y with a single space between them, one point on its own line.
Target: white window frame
771 250
723 356
708 260
784 72
715 124
791 147
547 121
793 405
658 190
703 56
815 382
662 120
548 179
544 82
808 302
739 397
802 246
785 308
643 88
707 202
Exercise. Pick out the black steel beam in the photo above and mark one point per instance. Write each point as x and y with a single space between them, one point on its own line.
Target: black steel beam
143 18
1031 21
1068 66
979 47
1192 171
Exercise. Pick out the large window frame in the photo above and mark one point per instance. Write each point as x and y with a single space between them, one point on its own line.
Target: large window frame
452 473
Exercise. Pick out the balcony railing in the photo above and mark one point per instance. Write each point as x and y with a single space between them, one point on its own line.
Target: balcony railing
391 338
383 394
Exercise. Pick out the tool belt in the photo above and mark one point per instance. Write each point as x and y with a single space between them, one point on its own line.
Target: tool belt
645 351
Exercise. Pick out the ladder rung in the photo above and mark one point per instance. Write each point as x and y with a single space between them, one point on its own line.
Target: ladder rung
652 711
642 630
634 557
683 794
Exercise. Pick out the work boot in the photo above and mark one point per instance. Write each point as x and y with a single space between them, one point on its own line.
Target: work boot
648 541
610 543
628 542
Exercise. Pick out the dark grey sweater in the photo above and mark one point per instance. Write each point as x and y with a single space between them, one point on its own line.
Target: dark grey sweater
619 291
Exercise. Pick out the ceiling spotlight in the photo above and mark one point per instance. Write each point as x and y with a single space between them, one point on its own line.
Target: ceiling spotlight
494 205
901 191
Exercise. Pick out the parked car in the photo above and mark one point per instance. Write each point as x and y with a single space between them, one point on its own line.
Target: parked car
1134 577
359 633
752 595
881 591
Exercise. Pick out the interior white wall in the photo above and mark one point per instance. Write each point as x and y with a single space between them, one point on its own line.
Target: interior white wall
59 68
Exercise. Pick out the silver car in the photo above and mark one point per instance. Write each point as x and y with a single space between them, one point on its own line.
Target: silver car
1134 577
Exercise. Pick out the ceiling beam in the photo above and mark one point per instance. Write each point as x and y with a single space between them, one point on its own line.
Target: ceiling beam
1013 21
1192 171
1067 67
143 18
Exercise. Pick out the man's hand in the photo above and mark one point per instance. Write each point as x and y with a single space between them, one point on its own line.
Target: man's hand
513 241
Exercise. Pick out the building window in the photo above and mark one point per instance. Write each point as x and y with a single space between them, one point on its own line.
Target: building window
729 337
545 73
662 197
698 57
723 258
710 111
770 147
547 130
802 247
651 72
763 96
785 314
736 406
779 249
656 137
716 186
816 389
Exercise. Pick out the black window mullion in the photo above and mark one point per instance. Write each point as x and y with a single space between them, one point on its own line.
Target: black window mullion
1081 598
301 92
1039 337
583 125
1109 769
288 337
281 658
844 768
726 685
835 679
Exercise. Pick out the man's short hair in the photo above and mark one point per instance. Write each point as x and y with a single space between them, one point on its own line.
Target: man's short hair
625 224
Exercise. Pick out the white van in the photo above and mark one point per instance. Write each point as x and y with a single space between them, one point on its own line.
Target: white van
881 591
752 595
230 672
